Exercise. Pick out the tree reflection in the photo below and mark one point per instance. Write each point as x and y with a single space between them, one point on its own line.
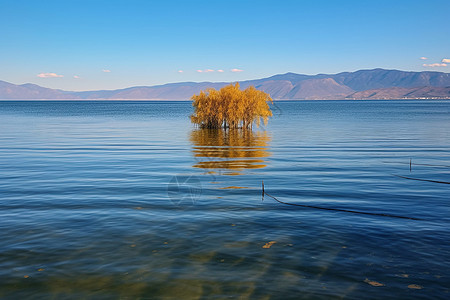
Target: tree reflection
231 150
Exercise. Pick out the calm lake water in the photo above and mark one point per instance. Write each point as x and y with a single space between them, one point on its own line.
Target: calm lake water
127 200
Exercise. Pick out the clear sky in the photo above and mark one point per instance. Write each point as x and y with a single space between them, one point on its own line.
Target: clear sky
94 44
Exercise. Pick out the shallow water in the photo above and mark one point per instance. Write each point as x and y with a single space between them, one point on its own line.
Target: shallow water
128 200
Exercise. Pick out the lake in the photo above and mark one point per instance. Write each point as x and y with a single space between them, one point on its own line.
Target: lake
128 200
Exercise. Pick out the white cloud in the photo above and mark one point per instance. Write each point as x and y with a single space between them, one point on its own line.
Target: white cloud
236 70
220 71
435 65
200 71
76 76
424 58
209 70
49 75
106 71
180 71
446 60
205 71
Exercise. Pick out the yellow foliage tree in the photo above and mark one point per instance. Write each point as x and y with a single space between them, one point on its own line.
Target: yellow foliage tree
231 107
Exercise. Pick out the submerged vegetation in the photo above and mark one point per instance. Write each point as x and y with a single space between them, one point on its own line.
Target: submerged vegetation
231 107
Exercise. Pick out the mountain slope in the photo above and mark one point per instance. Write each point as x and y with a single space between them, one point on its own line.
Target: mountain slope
426 92
313 89
379 78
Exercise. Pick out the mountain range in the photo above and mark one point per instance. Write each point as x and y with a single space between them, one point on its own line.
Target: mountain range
362 84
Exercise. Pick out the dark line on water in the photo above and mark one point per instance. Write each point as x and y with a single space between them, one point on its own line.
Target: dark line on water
419 179
337 209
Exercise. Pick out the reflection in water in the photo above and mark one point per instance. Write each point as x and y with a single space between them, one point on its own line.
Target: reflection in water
231 150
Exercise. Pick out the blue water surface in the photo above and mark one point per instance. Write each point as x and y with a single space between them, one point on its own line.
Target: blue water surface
128 200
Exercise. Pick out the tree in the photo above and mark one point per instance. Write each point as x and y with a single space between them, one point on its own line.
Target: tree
230 107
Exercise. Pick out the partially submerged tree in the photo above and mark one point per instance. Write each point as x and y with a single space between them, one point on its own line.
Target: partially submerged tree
230 107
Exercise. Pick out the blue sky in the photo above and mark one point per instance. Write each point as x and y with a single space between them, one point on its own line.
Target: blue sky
87 45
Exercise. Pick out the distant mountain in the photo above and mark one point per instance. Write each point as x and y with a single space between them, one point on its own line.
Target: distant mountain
171 91
9 91
362 84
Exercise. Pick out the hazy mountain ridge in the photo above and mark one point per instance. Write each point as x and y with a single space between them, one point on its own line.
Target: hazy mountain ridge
9 91
426 92
362 84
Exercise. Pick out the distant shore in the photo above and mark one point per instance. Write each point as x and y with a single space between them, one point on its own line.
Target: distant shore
187 100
